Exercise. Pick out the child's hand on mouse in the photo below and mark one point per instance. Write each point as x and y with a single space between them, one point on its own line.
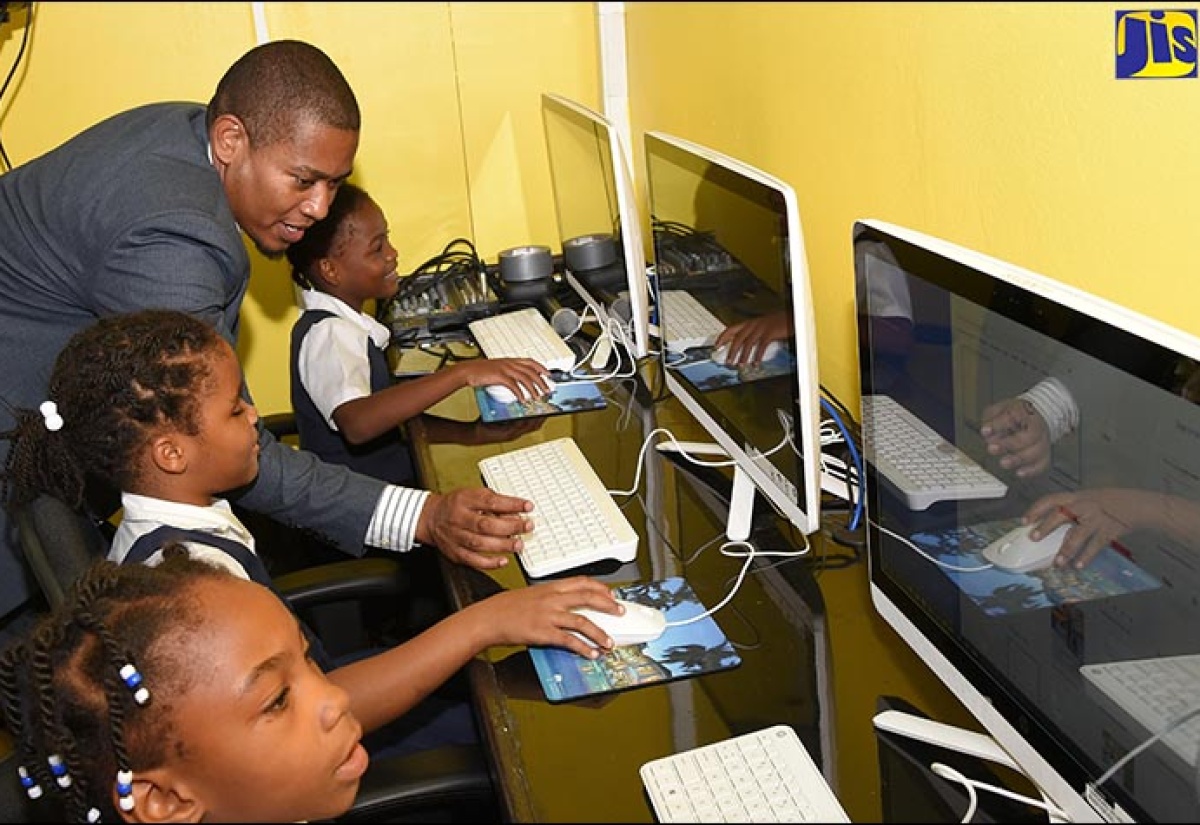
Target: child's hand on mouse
541 614
513 373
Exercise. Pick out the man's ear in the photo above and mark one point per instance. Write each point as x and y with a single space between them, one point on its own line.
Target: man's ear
169 454
228 138
159 796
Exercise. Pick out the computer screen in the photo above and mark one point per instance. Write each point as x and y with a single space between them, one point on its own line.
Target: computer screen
1086 413
727 238
598 222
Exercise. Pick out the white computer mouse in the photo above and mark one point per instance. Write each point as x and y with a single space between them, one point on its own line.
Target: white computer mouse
719 354
500 393
1016 552
771 350
636 625
504 395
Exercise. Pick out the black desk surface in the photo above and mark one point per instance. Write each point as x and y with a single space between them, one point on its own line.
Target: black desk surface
792 621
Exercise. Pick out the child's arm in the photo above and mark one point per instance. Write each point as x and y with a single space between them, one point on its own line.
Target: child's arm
369 416
385 686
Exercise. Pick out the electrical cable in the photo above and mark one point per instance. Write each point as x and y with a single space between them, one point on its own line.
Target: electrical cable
8 79
947 772
859 470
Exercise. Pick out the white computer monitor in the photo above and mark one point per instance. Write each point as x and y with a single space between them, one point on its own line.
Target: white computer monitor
599 227
729 235
1024 652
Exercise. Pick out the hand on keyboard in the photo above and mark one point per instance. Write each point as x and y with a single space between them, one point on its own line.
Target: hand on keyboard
474 526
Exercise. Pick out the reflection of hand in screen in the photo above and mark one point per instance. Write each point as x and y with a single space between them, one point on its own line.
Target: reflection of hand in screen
747 341
1102 516
1021 430
1015 432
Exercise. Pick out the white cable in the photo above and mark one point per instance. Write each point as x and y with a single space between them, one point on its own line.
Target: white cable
947 772
938 562
1167 728
750 555
637 476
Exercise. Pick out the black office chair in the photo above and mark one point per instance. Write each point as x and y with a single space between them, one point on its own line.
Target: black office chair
446 784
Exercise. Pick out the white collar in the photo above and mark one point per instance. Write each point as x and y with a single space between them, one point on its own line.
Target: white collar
217 518
316 299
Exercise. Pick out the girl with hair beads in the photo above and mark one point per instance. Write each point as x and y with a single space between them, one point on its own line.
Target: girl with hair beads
145 698
150 402
348 409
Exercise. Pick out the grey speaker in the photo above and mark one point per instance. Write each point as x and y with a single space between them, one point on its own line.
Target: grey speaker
565 321
589 252
526 263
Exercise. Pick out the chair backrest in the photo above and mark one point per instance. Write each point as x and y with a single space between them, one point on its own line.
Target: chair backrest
59 543
448 783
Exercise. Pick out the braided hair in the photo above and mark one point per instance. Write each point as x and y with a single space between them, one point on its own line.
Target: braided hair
324 237
64 698
115 385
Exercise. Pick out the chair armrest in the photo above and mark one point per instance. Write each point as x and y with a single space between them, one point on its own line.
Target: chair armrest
353 579
280 424
448 777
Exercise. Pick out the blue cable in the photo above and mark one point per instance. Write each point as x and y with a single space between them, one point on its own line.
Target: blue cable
858 465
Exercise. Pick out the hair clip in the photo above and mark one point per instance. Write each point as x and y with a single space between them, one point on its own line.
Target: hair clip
59 770
31 787
49 411
93 815
132 679
125 790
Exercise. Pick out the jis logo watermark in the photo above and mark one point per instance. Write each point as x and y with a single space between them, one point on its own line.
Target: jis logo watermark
1156 43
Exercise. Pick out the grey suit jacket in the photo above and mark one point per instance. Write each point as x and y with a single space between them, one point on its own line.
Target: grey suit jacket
128 215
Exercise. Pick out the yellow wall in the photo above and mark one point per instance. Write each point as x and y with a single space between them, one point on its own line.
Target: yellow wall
999 126
452 142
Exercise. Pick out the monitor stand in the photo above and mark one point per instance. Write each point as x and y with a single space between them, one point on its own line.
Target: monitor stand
740 522
952 738
959 740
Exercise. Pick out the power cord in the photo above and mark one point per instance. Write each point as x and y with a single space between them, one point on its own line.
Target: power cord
946 772
853 485
4 16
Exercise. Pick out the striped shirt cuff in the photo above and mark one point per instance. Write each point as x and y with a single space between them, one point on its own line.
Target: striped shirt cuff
394 524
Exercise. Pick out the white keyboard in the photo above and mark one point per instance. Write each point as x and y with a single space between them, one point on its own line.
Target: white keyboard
575 520
524 333
1155 692
764 776
687 322
922 466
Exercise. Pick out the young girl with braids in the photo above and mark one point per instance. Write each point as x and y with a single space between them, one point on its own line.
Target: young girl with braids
149 402
144 697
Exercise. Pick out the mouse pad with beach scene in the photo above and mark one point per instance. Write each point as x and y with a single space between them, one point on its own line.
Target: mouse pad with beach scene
681 651
697 366
567 397
998 592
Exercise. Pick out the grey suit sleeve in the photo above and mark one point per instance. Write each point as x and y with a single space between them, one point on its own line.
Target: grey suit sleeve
298 489
188 262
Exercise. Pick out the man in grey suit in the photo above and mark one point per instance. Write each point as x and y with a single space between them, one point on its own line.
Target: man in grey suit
147 209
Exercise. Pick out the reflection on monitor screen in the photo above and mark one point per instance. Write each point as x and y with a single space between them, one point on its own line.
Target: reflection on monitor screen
1086 413
730 265
598 222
